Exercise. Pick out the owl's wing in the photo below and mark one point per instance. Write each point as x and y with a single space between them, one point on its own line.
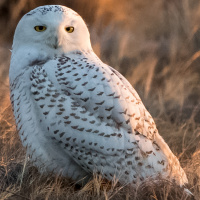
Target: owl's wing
93 113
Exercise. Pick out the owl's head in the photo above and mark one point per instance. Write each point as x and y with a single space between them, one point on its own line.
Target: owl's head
54 29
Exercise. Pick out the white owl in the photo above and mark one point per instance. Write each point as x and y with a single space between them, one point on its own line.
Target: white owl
75 114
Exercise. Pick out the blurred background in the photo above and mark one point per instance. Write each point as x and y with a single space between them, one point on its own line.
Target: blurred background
155 44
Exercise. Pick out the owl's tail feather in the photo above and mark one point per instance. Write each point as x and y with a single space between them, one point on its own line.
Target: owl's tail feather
174 168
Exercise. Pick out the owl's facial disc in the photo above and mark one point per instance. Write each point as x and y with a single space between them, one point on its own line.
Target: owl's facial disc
55 32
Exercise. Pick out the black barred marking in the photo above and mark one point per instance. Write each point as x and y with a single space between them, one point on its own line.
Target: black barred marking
72 88
41 80
100 93
62 79
46 113
66 145
127 173
56 131
92 122
62 99
123 112
96 131
112 94
136 132
107 136
40 87
68 138
55 95
61 134
67 122
109 109
83 111
85 99
95 108
78 93
148 166
137 158
92 89
60 74
74 127
117 97
41 98
119 124
162 162
65 83
84 119
84 83
100 103
50 90
140 164
33 84
129 163
59 113
109 117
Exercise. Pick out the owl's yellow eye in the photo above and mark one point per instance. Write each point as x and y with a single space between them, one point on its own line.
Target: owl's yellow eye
69 29
40 28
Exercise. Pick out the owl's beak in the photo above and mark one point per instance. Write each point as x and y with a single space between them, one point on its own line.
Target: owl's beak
55 44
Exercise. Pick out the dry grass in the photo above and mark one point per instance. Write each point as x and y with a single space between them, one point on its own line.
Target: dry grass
156 45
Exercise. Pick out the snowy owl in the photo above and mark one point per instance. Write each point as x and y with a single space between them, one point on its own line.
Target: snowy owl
75 114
